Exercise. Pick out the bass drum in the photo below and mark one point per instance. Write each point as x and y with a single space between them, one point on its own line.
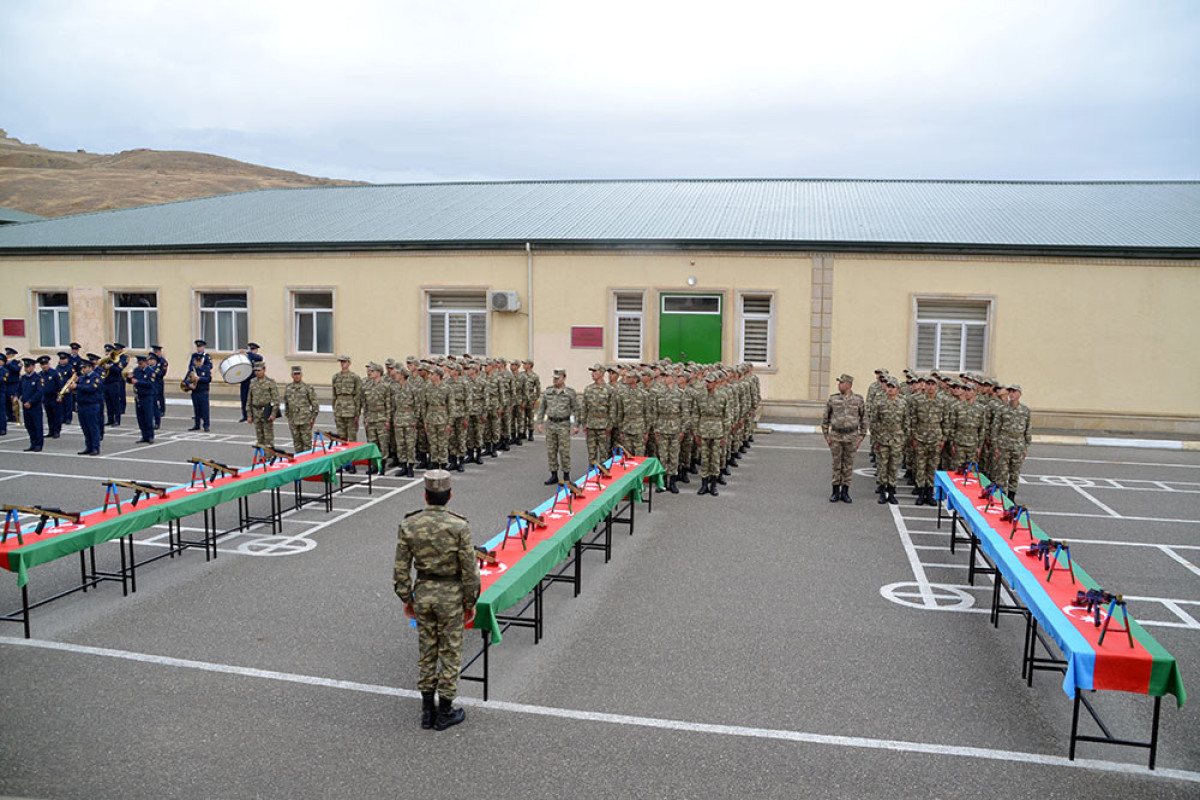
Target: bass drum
237 368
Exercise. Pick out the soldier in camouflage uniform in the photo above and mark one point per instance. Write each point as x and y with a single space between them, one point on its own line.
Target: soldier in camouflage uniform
347 399
925 425
436 413
504 394
596 416
875 392
475 413
520 401
263 401
714 412
1012 436
632 416
458 417
436 543
844 425
404 422
689 455
968 422
559 404
376 409
301 407
888 419
533 393
669 412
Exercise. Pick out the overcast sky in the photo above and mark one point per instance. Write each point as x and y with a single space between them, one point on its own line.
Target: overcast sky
447 90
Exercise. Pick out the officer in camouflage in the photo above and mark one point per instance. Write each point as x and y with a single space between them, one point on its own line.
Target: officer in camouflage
844 425
263 405
436 543
558 406
301 408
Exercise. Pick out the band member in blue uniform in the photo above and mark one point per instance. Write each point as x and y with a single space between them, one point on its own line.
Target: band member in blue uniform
201 377
75 357
4 393
90 394
251 353
114 385
13 385
145 395
160 393
200 345
66 405
50 405
31 403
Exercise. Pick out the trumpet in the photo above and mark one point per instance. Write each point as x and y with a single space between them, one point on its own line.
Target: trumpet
68 386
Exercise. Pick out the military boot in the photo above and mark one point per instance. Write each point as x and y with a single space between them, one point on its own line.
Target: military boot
881 490
448 715
428 710
891 496
837 494
683 476
458 463
721 480
552 480
845 494
673 489
703 486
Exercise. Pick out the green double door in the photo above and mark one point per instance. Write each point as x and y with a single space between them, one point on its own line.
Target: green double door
689 327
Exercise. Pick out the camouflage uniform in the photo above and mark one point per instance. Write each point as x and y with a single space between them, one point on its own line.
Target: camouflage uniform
404 421
968 422
520 383
300 405
925 427
595 418
844 425
713 410
458 419
1011 436
557 407
476 419
347 398
633 419
376 405
495 417
437 543
436 413
263 402
669 409
504 391
889 431
533 392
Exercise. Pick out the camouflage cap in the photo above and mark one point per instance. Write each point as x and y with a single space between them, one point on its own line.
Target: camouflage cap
844 378
391 362
411 360
435 371
712 377
597 368
437 480
260 366
404 371
890 380
1014 387
560 373
343 358
528 362
374 366
297 370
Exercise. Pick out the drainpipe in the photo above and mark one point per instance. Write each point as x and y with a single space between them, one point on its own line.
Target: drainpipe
529 293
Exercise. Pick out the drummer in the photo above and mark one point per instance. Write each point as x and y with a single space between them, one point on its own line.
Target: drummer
251 352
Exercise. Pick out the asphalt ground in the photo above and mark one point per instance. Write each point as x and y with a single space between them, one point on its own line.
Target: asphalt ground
765 642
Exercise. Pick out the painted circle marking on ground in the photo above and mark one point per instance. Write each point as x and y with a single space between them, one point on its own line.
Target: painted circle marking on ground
945 598
276 546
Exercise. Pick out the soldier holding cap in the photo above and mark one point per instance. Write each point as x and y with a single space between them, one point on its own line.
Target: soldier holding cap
436 543
558 405
301 408
844 425
263 404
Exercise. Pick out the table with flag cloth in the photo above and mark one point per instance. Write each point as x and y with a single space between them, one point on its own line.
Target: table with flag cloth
98 526
522 570
1129 659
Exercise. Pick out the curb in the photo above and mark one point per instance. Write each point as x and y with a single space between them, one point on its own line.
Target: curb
1083 441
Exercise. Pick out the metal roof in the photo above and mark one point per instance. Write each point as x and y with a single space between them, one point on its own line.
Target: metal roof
11 215
1135 217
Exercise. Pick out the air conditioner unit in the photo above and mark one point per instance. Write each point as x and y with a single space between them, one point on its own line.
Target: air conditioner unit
503 301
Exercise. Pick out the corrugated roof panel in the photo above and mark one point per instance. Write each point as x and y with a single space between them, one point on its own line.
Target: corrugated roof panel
1121 215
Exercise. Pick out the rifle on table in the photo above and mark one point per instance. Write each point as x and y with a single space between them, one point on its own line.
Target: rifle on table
43 515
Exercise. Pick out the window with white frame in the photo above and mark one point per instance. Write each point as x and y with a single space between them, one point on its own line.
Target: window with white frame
757 326
627 308
457 323
135 319
312 318
224 320
54 319
952 334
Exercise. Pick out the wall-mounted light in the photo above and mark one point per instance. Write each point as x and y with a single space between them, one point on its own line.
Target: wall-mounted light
691 281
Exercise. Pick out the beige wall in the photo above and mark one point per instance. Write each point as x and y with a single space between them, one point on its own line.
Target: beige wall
1080 336
1077 336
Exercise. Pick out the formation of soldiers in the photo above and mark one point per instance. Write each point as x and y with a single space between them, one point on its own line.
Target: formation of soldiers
936 421
46 397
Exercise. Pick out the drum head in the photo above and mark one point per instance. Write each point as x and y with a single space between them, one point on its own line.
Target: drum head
237 368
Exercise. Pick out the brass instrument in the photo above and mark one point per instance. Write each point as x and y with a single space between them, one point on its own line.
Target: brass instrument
68 386
187 384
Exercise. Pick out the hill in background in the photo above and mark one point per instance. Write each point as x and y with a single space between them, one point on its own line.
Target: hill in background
53 183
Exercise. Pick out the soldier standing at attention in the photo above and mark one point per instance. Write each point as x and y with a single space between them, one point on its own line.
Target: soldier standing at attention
51 407
31 401
144 395
844 426
1011 436
533 392
889 430
968 421
347 400
559 404
160 379
263 405
596 416
669 409
875 392
300 405
713 412
925 427
376 409
459 417
520 401
436 413
200 380
404 422
90 401
437 543
632 416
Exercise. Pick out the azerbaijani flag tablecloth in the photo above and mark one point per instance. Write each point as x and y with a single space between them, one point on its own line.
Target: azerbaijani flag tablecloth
99 526
1145 668
520 570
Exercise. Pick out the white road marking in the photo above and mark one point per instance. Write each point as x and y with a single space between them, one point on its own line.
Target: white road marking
799 737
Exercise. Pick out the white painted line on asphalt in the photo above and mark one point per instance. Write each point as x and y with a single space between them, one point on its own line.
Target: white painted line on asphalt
1096 502
1149 444
1110 462
1114 519
913 559
1186 564
1023 758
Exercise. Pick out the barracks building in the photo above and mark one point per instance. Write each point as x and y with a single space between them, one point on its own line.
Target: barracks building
1085 293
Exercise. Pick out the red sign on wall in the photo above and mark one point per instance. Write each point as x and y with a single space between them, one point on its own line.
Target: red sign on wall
14 327
587 336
